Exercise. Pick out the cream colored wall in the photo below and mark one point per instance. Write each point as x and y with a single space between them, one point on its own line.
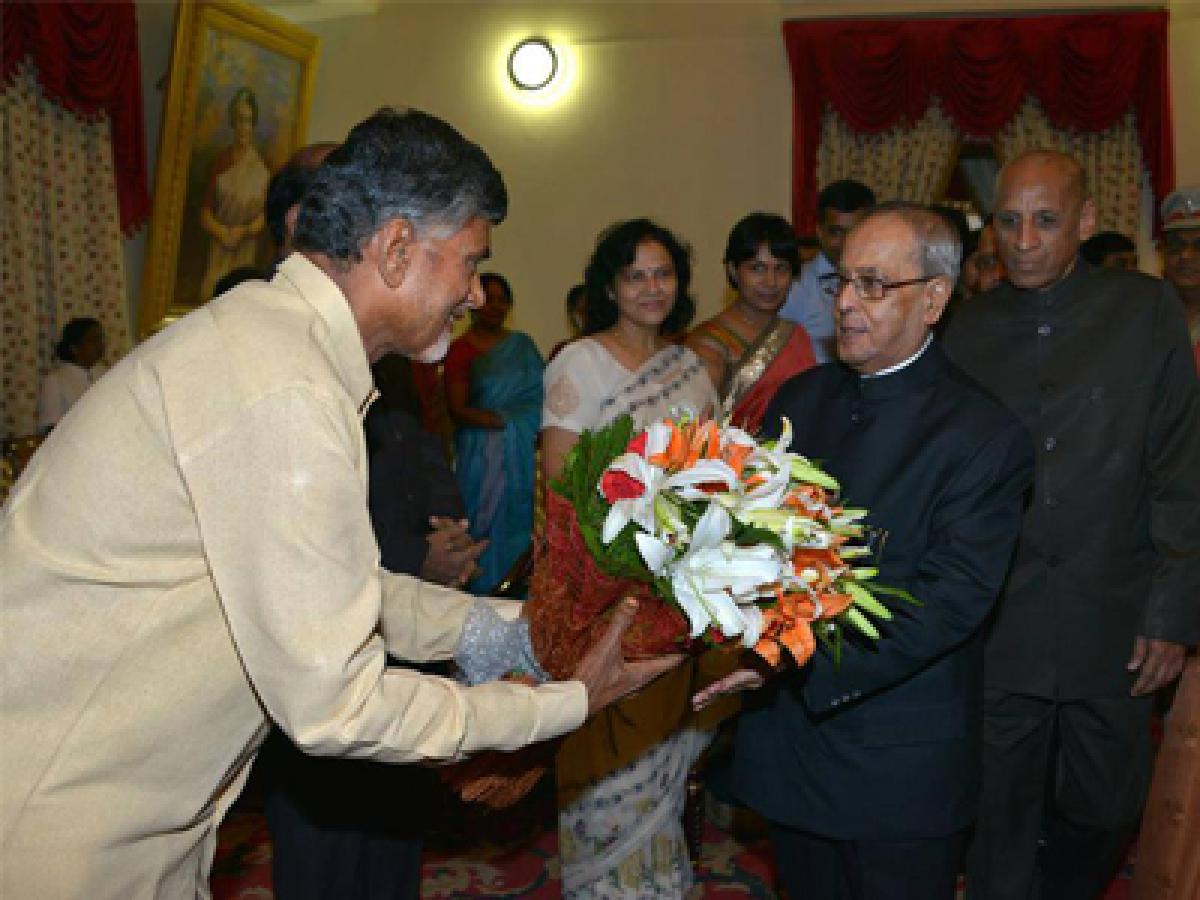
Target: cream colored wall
678 111
1185 89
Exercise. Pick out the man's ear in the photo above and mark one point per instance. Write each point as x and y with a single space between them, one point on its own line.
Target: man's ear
289 227
937 295
392 248
1087 219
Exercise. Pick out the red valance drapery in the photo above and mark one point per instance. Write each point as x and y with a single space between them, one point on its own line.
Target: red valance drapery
1086 70
86 56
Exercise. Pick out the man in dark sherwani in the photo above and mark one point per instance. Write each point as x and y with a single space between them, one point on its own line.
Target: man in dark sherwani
867 769
1104 593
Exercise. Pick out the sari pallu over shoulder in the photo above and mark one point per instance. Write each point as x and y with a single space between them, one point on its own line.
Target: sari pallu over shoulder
782 351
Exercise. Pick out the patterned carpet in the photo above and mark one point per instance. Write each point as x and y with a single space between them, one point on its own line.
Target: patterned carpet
515 867
522 865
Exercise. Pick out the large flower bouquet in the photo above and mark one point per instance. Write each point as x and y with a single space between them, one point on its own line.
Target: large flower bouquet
732 540
724 540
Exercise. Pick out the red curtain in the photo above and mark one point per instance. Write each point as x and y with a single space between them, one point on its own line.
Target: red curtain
1087 70
86 56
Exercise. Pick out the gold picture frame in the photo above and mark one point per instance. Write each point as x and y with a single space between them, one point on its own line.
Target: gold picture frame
237 106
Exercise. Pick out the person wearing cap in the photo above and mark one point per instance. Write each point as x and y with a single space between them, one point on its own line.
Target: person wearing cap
1167 862
1101 600
1181 253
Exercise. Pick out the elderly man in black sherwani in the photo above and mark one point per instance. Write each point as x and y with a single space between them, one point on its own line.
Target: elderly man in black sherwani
868 770
1104 593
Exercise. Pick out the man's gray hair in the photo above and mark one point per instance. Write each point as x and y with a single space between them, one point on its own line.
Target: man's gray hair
939 249
394 165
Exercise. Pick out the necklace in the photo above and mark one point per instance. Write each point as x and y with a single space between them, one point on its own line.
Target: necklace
756 328
635 355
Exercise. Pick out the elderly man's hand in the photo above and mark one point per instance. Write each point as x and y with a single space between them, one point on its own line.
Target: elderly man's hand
750 676
452 553
605 672
1160 663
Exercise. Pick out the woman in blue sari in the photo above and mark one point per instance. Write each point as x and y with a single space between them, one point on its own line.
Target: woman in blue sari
494 397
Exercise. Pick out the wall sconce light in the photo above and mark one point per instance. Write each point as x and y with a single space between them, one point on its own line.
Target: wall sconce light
532 64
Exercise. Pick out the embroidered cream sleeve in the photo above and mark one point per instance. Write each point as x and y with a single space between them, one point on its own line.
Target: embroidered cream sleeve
562 397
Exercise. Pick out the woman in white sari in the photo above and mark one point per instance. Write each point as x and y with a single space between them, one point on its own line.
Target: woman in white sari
622 776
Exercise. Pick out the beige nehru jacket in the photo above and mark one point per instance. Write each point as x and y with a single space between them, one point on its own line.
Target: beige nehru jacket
189 555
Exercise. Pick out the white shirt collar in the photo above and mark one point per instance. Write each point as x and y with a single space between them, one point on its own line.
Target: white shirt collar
902 365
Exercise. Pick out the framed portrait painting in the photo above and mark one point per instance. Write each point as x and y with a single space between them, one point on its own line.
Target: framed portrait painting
237 106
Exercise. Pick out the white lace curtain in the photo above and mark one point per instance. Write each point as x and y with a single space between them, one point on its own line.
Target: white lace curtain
60 241
912 163
915 163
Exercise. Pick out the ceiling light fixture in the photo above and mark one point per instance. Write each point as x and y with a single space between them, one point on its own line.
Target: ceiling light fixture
532 64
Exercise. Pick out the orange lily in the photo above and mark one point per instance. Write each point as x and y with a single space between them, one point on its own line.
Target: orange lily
674 452
834 603
735 456
705 444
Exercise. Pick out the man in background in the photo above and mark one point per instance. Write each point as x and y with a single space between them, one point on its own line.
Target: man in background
840 206
982 268
1101 600
1181 254
1110 250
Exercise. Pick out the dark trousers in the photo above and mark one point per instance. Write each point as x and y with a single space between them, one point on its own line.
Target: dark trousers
1072 772
344 829
819 868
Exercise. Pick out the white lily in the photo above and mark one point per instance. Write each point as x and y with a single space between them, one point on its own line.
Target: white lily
772 461
704 471
712 528
634 509
769 494
753 617
731 435
642 509
655 552
709 583
658 438
778 459
711 578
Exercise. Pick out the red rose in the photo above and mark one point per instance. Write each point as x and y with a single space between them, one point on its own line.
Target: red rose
616 485
637 445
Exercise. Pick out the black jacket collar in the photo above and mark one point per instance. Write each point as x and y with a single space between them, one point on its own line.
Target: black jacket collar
923 371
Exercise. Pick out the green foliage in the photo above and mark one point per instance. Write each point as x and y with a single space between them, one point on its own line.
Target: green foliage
749 536
898 593
581 474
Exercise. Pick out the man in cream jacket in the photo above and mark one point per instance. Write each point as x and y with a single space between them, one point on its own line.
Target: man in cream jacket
189 554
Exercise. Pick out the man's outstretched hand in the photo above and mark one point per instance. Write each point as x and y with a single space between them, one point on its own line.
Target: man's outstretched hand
604 671
750 676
